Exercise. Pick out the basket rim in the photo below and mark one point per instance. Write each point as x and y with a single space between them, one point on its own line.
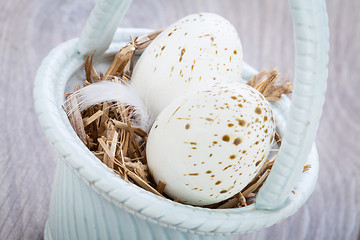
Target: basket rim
50 83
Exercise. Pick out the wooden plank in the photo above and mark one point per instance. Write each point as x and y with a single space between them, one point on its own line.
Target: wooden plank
27 163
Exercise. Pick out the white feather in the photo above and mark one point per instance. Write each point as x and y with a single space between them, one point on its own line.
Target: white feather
107 91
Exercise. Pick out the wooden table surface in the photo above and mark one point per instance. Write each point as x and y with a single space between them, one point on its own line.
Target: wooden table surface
30 29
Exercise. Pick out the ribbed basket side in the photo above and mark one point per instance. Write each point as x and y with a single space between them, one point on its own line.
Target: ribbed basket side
79 212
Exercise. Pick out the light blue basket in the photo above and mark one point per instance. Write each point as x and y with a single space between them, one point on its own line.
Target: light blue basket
89 201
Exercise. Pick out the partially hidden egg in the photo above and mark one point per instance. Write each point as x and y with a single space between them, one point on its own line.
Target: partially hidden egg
209 144
194 51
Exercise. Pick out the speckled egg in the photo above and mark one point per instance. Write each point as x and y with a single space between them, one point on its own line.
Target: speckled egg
194 51
209 144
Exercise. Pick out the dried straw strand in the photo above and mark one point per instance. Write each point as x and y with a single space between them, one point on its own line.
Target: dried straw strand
266 83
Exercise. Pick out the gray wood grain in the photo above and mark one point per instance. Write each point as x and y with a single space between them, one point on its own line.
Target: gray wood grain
30 29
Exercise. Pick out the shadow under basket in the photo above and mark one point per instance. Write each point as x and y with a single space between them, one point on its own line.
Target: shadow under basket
90 201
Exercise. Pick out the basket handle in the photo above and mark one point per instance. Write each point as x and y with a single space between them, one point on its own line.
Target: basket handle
101 26
311 60
311 47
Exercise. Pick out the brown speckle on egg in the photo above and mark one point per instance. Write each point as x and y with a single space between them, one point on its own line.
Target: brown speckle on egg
232 156
223 191
182 54
241 122
227 167
218 182
230 125
258 110
208 171
187 126
193 174
237 141
226 138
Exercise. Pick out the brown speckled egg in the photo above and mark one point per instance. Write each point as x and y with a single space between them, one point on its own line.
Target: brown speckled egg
209 144
192 52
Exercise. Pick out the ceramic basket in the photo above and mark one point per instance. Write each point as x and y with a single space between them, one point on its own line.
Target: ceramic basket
89 201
